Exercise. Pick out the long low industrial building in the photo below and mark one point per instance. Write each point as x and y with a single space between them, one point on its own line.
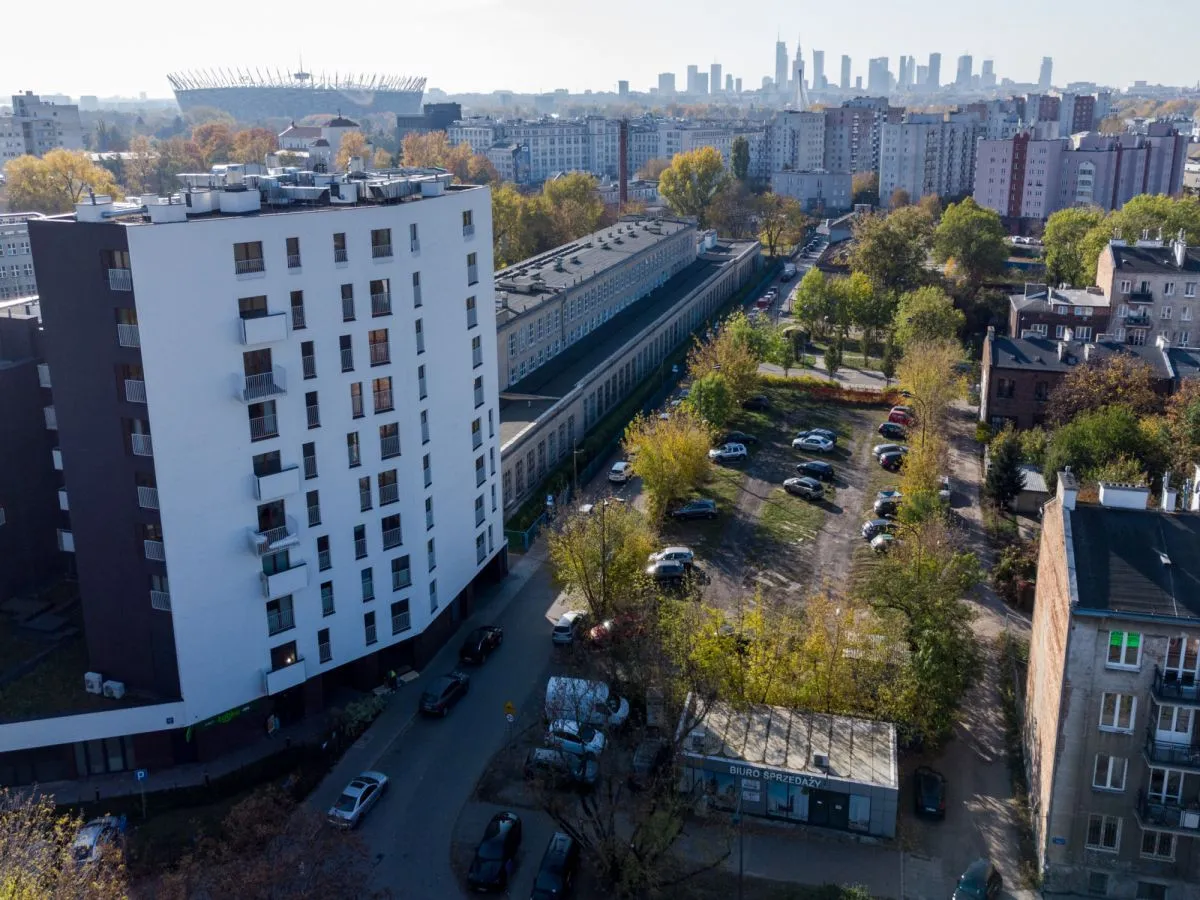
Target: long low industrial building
547 412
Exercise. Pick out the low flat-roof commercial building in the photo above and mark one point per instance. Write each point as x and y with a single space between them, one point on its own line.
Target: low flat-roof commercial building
831 771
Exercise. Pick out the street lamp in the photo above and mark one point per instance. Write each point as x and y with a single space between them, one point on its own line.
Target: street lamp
575 466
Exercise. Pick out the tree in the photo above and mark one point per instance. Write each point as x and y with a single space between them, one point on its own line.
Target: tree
600 558
864 188
1182 422
887 365
429 150
891 250
833 356
1098 437
575 207
1004 480
1154 212
781 220
733 211
1112 125
215 142
931 205
1065 247
140 169
782 349
175 156
669 455
927 370
926 314
740 158
506 221
253 144
734 348
381 160
711 399
37 860
56 182
870 310
354 144
691 182
1118 379
974 239
653 169
814 301
899 198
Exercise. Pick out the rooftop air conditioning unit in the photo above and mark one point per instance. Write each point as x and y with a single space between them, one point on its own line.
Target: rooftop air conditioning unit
695 741
820 761
93 682
114 690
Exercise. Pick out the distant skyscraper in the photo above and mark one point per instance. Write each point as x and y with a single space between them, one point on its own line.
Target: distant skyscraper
799 89
922 77
845 72
729 84
702 83
935 71
966 65
666 82
858 82
902 71
878 77
714 77
623 88
1045 73
781 66
737 85
818 81
987 77
693 80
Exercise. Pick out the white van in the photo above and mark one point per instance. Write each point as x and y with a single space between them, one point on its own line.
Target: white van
588 702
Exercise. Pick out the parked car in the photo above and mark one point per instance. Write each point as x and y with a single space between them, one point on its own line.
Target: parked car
873 527
590 702
569 627
813 443
620 472
696 509
893 462
889 493
819 432
816 469
907 410
808 488
612 629
496 856
879 449
981 881
556 874
886 507
728 453
757 402
739 437
668 572
560 767
893 431
480 643
675 554
944 489
99 836
444 693
363 792
575 737
881 543
901 418
929 793
649 759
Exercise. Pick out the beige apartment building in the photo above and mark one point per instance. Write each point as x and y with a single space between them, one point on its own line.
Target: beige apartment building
1112 694
1154 290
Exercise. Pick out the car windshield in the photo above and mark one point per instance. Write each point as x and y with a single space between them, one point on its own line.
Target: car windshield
492 845
345 803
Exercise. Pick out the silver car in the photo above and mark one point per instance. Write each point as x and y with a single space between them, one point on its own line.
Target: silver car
363 792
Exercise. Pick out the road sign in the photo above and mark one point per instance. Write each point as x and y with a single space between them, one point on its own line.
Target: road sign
140 774
510 717
510 711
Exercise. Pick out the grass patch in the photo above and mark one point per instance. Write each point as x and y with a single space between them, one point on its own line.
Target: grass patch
788 520
55 686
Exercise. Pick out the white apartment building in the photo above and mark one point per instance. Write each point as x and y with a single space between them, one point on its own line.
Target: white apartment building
40 126
929 154
820 191
796 141
16 260
285 389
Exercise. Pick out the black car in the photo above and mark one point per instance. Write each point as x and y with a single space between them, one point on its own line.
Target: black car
892 431
561 768
893 462
444 693
495 857
887 508
649 759
696 509
556 874
929 793
480 643
981 881
757 402
816 469
738 437
669 573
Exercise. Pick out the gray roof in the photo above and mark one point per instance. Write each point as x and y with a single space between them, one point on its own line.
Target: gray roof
1038 354
772 736
1035 297
1153 260
1119 564
1033 480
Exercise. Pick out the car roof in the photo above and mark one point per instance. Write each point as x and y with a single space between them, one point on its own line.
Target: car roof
675 549
816 464
620 466
701 502
570 616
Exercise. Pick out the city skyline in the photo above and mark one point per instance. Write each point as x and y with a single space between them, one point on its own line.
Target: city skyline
483 61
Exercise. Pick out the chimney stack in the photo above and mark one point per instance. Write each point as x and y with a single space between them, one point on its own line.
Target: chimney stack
1068 489
1170 496
1179 249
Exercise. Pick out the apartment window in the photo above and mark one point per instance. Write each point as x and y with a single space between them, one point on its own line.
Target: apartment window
1150 890
248 258
309 453
360 541
1059 332
476 352
389 488
389 440
283 656
324 557
1097 884
427 470
346 349
424 426
1041 391
353 451
1158 845
1117 712
416 283
472 269
428 513
1169 289
1061 309
308 359
433 597
380 352
472 313
419 330
1126 286
430 555
493 499
422 390
313 407
1165 313
400 617
327 598
468 223
1109 773
293 252
1083 332
381 297
414 242
313 499
492 460
492 425
339 248
367 578
479 392
1189 289
347 303
252 307
1185 314
382 390
1083 312
479 510
280 616
381 243
1124 650
390 528
1185 339
369 628
298 320
356 400
480 471
1104 833
324 649
401 573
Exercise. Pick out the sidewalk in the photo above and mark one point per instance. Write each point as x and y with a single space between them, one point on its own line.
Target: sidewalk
846 376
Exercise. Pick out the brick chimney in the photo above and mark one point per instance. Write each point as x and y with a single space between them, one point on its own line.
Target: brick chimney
1068 489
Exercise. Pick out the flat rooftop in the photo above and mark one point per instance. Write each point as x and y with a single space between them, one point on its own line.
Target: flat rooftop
857 749
527 284
522 403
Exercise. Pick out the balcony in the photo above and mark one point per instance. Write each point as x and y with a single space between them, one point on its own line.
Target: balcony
265 329
310 467
160 600
147 497
277 485
51 418
293 260
391 538
340 256
1168 753
381 304
314 416
128 335
142 445
347 309
347 359
298 321
135 390
260 386
326 654
287 581
66 541
472 275
1173 688
263 427
155 550
389 447
284 620
381 354
120 280
389 493
308 365
401 622
381 251
280 680
383 401
43 371
468 231
1139 320
364 500
272 540
414 245
1141 297
249 266
1168 815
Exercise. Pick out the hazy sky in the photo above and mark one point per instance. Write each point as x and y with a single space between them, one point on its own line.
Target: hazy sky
540 45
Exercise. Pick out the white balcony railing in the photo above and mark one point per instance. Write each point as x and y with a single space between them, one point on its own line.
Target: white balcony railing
259 386
391 538
147 497
249 266
347 359
272 540
389 446
310 467
51 418
325 654
340 256
401 579
160 600
142 444
128 335
155 550
309 366
135 390
120 280
360 548
472 275
347 309
388 493
381 304
293 260
401 622
468 231
380 354
380 251
43 375
383 401
284 620
414 245
262 427
314 415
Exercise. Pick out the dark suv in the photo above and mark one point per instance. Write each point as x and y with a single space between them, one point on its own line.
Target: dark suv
696 509
556 874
